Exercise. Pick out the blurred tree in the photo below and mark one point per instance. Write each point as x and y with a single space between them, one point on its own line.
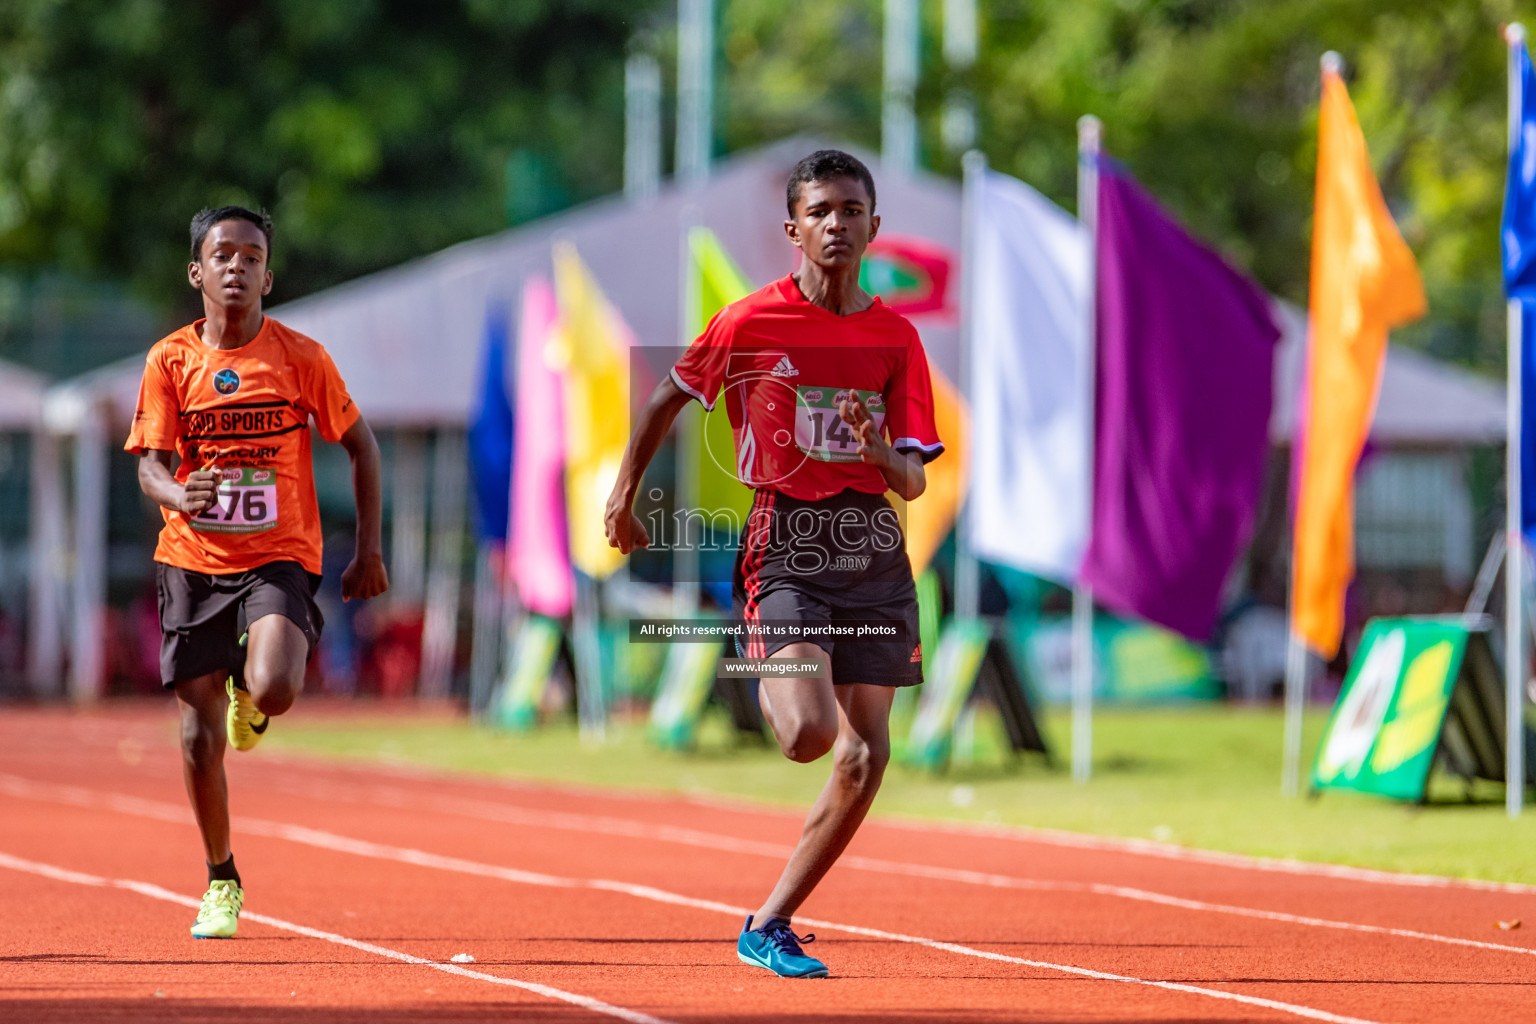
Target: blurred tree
1212 103
378 130
800 67
374 130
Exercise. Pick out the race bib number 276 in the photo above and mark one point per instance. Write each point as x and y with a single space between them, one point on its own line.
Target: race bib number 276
247 503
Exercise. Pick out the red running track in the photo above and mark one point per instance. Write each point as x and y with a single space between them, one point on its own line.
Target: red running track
587 905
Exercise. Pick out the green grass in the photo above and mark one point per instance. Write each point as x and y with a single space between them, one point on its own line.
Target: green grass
1200 776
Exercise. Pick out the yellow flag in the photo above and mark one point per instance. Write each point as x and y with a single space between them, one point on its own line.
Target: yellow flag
591 347
1364 282
931 515
715 282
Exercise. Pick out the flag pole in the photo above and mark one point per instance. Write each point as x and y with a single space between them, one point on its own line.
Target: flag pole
1295 649
902 62
695 90
967 572
1514 549
1090 132
686 575
1295 704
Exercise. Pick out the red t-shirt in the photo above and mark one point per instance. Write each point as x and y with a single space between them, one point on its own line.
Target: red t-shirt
785 363
246 412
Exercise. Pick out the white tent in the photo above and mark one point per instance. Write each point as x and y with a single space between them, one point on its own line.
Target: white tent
1423 400
21 397
21 411
407 340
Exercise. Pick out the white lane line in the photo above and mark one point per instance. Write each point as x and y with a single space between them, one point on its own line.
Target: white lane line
156 892
982 830
77 796
506 814
676 899
1308 1012
1214 858
974 830
631 829
1144 896
420 858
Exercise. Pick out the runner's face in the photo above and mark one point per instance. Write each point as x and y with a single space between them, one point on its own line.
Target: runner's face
232 269
833 223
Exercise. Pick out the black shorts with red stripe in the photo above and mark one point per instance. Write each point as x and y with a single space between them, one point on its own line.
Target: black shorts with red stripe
838 562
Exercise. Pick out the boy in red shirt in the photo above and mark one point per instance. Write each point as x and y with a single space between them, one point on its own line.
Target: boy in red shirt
831 405
232 396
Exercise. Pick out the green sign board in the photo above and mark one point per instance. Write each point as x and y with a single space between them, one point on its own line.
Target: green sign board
687 678
1133 662
956 664
535 648
969 658
1417 687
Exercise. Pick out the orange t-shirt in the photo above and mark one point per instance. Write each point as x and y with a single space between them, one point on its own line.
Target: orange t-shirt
245 411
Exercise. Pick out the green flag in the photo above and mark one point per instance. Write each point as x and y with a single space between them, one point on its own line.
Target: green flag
714 282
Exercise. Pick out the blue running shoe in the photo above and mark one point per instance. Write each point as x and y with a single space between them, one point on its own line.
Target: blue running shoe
776 947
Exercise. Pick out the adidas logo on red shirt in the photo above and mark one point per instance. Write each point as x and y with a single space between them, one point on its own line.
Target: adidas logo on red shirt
784 368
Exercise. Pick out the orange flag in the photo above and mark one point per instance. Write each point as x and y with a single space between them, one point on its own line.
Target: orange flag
1364 282
930 517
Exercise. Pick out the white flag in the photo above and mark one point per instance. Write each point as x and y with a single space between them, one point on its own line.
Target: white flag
1030 456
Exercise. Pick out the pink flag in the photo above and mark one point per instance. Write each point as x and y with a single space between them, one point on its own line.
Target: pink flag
538 544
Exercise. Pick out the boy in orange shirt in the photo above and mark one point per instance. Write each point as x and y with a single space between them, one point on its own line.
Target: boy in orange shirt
232 396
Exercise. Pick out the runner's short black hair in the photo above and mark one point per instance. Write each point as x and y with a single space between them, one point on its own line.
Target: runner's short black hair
206 219
824 165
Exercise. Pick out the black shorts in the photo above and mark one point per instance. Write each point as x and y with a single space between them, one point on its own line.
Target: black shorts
818 563
203 615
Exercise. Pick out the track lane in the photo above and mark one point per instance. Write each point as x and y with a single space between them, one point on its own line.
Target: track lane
1131 954
1453 914
607 944
1056 925
1446 907
510 813
82 953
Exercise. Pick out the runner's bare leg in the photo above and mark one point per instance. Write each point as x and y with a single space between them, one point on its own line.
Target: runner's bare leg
274 665
203 702
810 716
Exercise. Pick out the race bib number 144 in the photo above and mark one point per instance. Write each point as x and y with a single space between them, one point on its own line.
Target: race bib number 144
247 503
821 433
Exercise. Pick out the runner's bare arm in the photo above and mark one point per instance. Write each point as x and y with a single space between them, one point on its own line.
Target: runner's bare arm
903 471
625 531
158 482
366 576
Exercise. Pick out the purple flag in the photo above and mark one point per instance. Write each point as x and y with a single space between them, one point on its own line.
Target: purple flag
1181 414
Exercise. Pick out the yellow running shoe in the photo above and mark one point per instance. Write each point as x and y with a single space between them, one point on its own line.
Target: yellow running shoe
242 722
219 915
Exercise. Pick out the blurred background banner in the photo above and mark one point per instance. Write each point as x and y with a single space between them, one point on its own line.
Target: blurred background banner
1419 689
1364 282
1518 237
929 519
1029 460
911 275
540 562
1185 355
491 437
591 349
715 281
